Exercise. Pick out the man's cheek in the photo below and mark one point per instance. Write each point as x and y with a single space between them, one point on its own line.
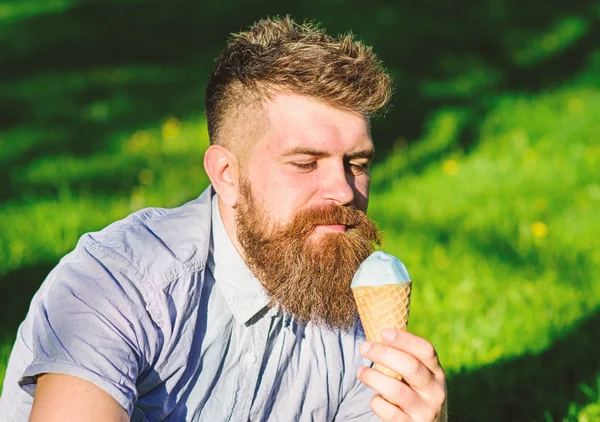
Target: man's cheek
361 198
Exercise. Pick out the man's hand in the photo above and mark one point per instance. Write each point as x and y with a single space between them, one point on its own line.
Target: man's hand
421 395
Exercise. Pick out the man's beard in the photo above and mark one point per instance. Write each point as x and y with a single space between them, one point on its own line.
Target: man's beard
308 278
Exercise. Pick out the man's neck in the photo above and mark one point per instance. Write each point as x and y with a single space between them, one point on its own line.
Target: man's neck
228 218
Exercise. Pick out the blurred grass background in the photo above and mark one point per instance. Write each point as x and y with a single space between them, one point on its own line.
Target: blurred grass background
486 184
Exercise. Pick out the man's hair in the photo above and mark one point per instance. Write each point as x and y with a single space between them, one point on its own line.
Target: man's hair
280 56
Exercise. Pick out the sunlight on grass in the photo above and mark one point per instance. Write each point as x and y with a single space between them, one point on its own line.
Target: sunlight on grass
43 229
441 137
484 241
145 148
12 10
559 37
468 77
589 411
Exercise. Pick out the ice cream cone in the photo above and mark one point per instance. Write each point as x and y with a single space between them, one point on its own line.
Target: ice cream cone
383 307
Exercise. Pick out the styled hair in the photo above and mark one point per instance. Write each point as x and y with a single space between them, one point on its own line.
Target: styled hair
280 56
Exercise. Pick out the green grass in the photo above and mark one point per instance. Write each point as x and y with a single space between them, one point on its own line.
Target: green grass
493 207
504 249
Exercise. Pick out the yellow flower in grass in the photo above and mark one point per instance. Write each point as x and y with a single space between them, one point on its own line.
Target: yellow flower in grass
146 176
137 199
575 105
539 229
137 142
450 167
17 250
170 129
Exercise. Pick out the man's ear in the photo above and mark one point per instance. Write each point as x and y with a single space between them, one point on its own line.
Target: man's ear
222 169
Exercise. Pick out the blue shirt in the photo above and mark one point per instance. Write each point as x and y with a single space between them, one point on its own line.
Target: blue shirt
160 311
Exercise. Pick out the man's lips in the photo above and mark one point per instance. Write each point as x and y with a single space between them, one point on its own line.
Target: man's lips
332 227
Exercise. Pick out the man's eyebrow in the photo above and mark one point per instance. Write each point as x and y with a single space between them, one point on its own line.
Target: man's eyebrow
366 153
301 150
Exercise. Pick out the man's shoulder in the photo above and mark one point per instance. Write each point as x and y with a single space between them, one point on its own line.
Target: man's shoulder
162 244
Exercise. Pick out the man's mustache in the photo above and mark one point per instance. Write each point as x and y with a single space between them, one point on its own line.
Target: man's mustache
306 220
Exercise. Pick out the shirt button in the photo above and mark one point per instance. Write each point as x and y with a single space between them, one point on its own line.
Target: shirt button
250 358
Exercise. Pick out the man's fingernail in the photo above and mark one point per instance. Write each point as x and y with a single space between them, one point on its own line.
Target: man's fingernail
364 349
360 370
388 335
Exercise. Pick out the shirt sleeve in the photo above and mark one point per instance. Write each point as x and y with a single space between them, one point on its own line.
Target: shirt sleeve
90 322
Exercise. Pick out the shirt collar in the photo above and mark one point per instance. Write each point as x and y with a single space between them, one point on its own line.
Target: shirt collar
243 292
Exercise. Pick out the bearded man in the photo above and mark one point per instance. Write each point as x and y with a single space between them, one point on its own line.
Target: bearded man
237 306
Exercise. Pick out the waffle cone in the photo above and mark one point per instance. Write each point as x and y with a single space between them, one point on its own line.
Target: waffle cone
383 307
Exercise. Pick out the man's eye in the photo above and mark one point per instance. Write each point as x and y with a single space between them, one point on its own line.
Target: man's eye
306 166
356 168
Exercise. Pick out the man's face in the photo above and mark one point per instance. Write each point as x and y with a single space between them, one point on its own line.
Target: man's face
310 155
301 213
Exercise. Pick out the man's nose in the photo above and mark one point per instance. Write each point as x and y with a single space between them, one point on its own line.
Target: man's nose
336 186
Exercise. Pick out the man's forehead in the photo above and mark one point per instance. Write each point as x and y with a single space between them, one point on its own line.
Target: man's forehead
290 106
319 143
297 123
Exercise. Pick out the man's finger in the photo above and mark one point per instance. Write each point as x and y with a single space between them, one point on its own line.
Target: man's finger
395 391
415 346
411 369
388 412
